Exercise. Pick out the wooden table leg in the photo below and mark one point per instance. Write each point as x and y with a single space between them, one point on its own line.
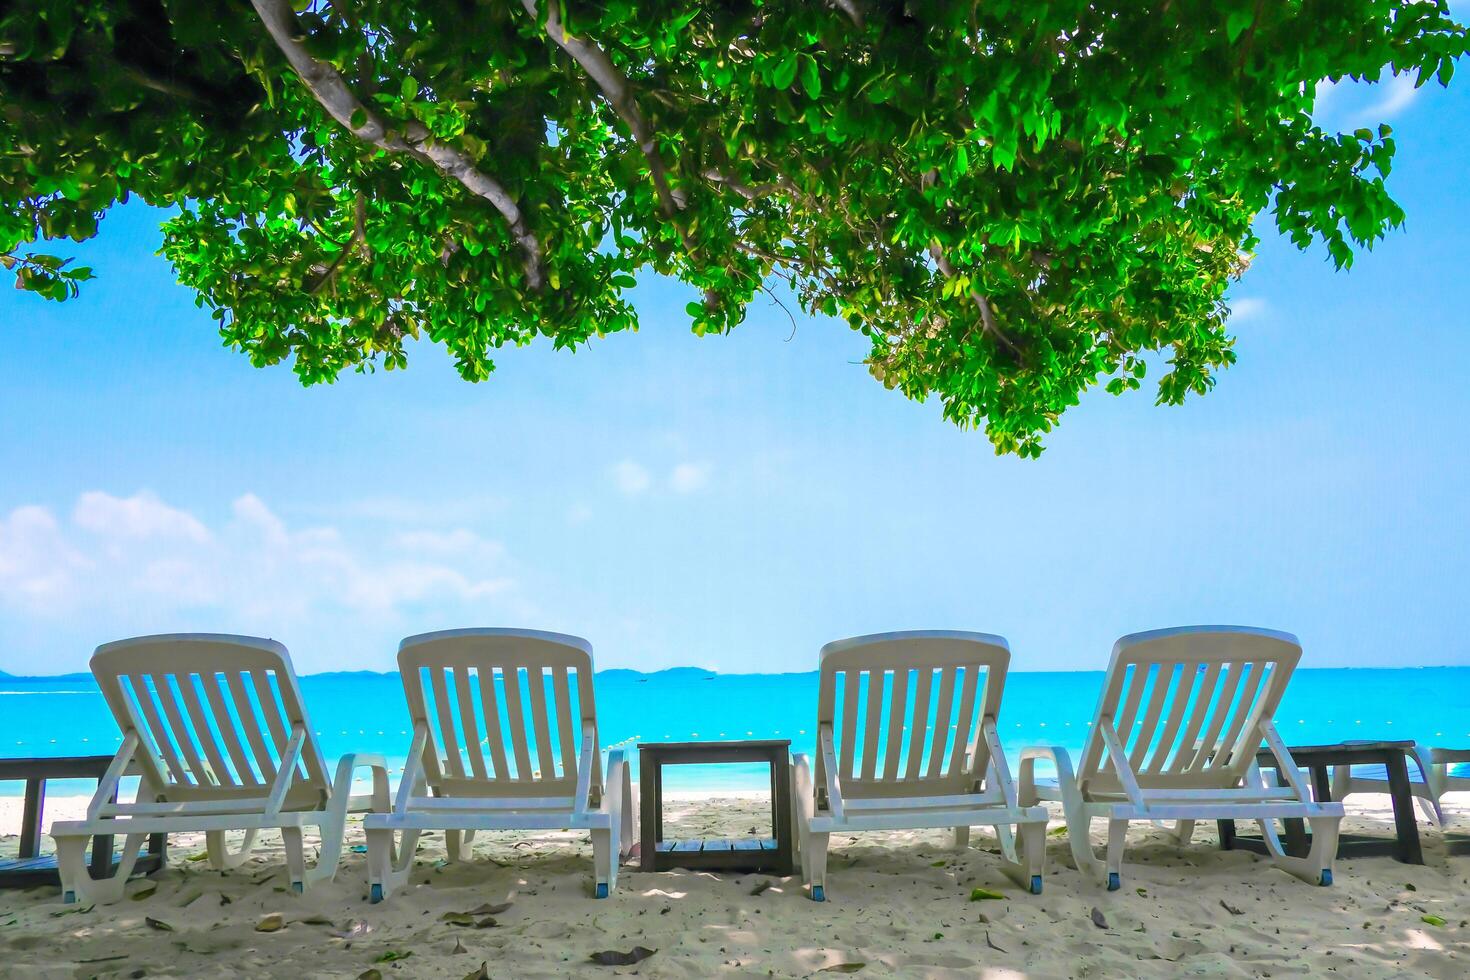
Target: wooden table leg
102 848
781 804
1407 831
30 822
648 806
1296 828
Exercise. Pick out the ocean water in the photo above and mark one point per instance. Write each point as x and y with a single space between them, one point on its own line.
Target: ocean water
60 716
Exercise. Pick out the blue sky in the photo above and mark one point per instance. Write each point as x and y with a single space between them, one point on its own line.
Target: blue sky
734 502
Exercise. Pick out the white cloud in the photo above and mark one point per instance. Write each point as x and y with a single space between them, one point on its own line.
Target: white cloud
136 563
1350 104
631 478
1395 95
142 515
1247 308
689 477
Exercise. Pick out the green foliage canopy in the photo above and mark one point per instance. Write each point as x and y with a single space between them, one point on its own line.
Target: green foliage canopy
1014 200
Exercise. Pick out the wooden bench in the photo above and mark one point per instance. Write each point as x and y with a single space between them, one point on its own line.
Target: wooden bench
30 867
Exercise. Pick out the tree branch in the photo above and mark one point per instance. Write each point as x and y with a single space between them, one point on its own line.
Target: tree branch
329 88
619 94
853 9
987 315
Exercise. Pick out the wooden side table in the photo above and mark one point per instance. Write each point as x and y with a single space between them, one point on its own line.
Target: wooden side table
774 854
1405 845
30 868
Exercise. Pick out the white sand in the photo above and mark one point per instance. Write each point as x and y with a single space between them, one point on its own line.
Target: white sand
897 902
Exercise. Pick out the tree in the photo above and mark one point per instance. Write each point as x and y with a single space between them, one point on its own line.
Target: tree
1014 200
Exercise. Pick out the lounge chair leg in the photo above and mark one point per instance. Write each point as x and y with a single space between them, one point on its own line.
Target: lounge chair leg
1117 838
389 865
815 860
1026 862
295 857
1316 867
961 838
604 861
454 846
1183 831
221 858
77 883
1007 841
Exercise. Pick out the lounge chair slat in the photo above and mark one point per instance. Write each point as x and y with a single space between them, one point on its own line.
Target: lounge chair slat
244 772
564 729
449 743
515 715
872 722
270 710
159 735
942 721
1243 724
182 737
200 721
467 723
250 724
1185 679
964 719
536 679
919 722
494 732
1230 673
847 747
1143 738
898 707
1204 696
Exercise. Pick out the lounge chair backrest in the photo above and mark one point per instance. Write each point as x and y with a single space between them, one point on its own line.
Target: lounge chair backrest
213 714
483 695
1188 705
906 711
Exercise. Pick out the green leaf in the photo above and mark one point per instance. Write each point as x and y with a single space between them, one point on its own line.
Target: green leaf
359 118
811 77
1431 919
409 89
785 72
1238 20
984 894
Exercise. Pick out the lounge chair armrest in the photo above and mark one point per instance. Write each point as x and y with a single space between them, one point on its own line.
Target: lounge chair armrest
347 766
802 791
1058 756
616 759
829 771
1285 764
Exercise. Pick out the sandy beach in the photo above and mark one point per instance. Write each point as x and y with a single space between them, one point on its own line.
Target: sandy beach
898 905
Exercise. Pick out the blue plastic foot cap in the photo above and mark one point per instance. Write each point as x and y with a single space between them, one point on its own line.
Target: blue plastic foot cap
375 894
69 898
1036 884
601 889
1326 878
819 894
298 887
1115 881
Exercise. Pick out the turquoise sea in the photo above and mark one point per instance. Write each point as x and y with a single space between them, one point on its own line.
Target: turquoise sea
56 716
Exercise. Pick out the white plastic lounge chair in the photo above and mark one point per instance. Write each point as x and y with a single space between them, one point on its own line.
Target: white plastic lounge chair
917 749
216 726
1182 715
477 698
1433 782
